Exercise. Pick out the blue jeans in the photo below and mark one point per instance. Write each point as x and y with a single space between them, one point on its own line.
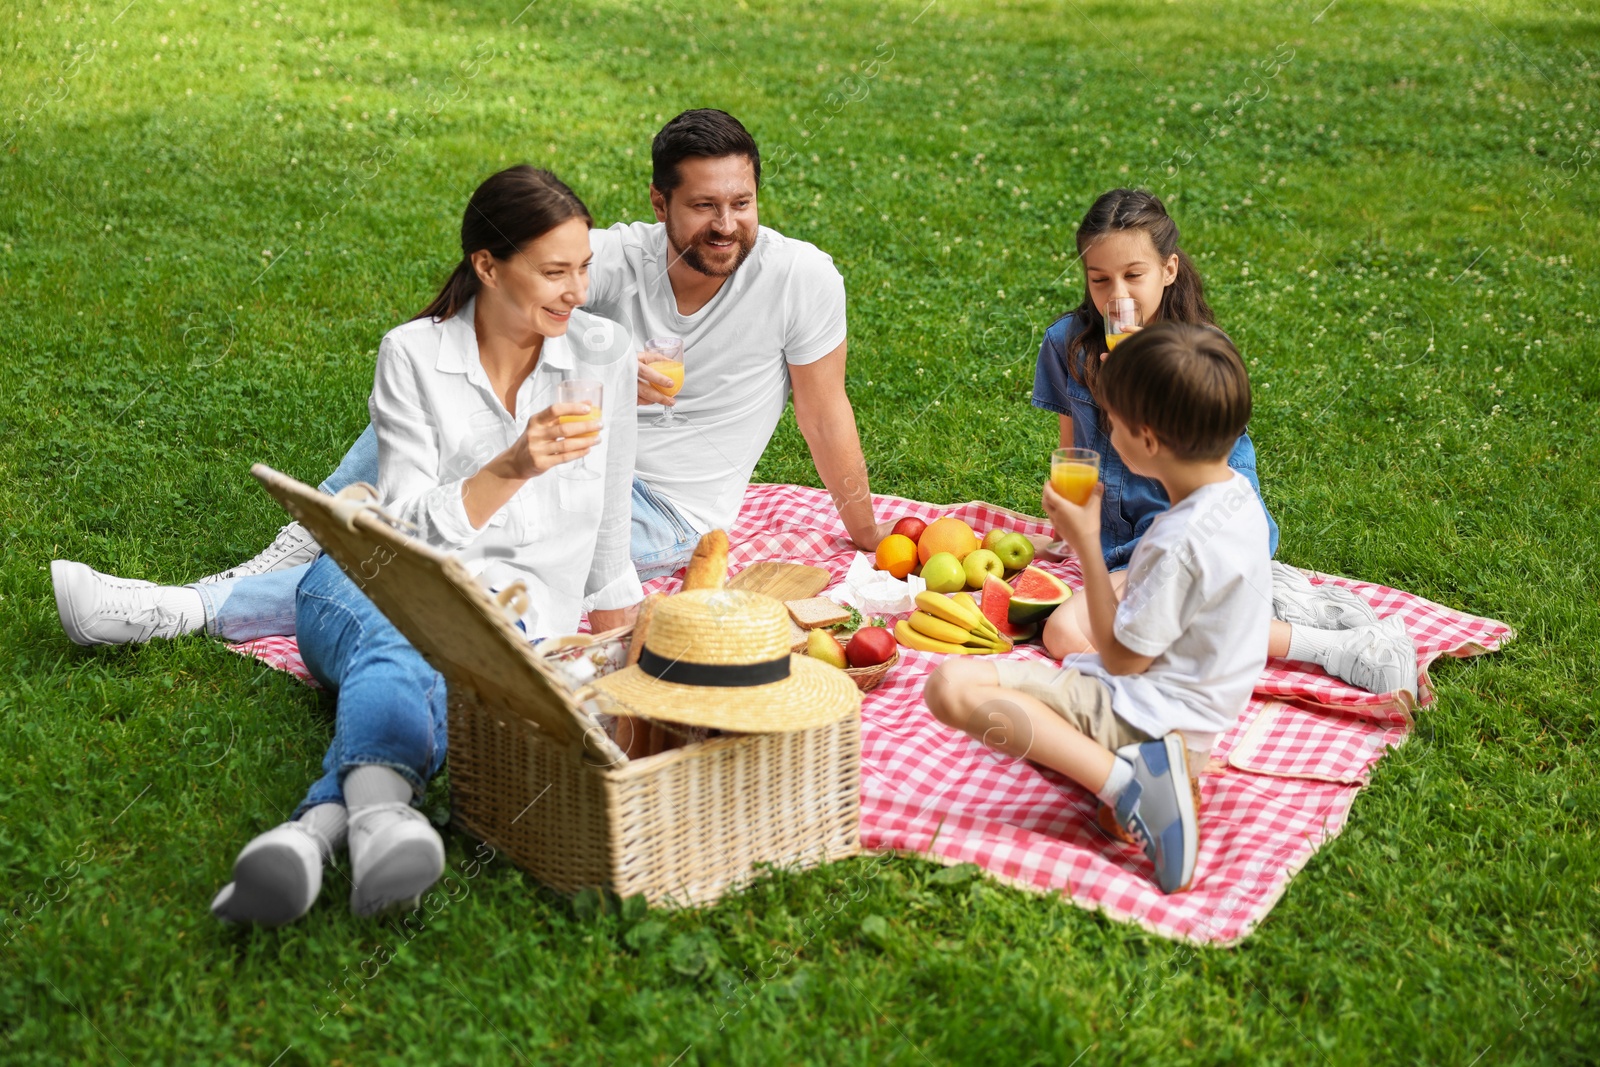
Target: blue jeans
263 605
662 539
391 704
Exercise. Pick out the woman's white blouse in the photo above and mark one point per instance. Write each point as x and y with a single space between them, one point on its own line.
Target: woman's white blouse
439 421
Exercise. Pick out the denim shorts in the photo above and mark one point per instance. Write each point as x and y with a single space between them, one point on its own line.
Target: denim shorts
663 540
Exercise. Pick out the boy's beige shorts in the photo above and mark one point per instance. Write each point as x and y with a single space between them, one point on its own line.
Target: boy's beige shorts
1083 702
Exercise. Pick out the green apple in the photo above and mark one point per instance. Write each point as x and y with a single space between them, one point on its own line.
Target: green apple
944 573
820 644
979 565
1014 550
993 538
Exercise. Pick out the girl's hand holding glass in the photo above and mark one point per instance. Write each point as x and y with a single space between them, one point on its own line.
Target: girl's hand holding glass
548 442
1122 318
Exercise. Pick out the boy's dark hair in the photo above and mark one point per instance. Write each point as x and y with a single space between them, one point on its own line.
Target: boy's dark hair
1186 382
704 133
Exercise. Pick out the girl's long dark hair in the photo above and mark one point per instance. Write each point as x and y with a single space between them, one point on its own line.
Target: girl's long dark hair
1182 301
507 211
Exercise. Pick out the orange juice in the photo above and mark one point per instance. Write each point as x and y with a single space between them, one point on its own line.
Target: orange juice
1075 481
672 368
593 416
1112 339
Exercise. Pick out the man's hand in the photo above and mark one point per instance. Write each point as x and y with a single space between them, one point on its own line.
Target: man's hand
883 530
651 382
1076 524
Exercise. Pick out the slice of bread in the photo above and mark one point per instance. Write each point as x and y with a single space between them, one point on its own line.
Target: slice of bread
797 638
816 611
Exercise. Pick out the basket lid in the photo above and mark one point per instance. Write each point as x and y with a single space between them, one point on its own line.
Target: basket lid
445 612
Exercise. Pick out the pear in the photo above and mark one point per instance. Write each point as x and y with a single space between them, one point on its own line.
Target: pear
820 644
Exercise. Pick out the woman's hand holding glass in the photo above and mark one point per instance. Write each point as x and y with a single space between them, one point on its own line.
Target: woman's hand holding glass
547 442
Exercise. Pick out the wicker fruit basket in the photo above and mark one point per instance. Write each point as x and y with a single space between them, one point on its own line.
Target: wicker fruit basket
534 772
867 678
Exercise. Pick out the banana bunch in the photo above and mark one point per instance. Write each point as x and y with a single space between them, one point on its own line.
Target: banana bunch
949 625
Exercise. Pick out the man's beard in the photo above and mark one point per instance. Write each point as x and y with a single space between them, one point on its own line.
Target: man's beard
743 239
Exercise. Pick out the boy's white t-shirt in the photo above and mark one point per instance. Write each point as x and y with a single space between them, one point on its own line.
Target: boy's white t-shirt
785 304
1198 599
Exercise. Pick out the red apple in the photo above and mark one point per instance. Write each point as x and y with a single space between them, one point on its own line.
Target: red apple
870 646
911 527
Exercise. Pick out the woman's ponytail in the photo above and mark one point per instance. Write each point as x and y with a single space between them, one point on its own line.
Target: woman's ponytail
461 286
507 211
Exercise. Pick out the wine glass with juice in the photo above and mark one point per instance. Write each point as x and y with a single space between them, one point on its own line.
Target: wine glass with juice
1122 318
670 349
581 391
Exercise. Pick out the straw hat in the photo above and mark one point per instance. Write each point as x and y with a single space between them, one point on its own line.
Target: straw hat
720 657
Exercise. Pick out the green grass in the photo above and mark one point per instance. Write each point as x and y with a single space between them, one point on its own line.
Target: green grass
1398 228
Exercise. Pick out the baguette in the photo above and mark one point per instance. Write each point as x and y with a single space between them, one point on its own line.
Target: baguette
708 568
641 626
816 611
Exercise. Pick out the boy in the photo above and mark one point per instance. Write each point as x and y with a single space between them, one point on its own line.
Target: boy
1180 653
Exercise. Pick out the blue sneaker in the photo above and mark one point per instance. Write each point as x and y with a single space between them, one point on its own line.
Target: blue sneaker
1157 810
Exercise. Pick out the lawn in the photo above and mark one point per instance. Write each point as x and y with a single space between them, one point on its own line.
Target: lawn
209 217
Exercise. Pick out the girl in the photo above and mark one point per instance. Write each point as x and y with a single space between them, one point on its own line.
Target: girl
1128 245
467 439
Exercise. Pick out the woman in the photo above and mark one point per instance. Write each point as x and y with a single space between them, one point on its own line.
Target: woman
469 440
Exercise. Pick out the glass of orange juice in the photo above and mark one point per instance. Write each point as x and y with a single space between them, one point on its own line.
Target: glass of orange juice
581 391
669 361
1073 472
1122 318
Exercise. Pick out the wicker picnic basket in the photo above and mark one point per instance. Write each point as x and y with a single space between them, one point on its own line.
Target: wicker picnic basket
535 774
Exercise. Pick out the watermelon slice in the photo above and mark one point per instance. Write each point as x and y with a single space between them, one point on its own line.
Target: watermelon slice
996 608
1034 595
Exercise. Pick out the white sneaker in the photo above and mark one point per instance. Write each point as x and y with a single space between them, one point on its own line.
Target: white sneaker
293 546
276 878
1381 658
102 609
1328 606
395 856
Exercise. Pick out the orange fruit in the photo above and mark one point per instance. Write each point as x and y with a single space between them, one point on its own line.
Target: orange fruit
897 554
946 535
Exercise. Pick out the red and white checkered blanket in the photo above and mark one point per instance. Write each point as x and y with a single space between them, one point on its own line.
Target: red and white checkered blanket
1281 784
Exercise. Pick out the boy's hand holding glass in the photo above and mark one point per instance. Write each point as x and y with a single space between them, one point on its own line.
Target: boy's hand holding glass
547 442
1072 497
1076 524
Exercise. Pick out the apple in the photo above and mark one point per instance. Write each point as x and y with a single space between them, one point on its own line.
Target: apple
870 646
911 527
820 644
944 573
1014 550
993 538
979 565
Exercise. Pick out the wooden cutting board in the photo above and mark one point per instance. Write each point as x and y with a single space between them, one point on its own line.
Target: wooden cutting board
782 581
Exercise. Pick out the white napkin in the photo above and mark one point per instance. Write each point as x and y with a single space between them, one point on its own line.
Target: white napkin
874 592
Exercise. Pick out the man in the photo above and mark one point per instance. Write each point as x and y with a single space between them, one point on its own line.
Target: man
759 314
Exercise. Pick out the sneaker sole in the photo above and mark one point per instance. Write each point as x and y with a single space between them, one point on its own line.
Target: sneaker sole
267 884
1178 764
61 572
404 875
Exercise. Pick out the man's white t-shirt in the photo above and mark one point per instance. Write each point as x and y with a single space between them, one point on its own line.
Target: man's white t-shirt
784 305
1198 599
